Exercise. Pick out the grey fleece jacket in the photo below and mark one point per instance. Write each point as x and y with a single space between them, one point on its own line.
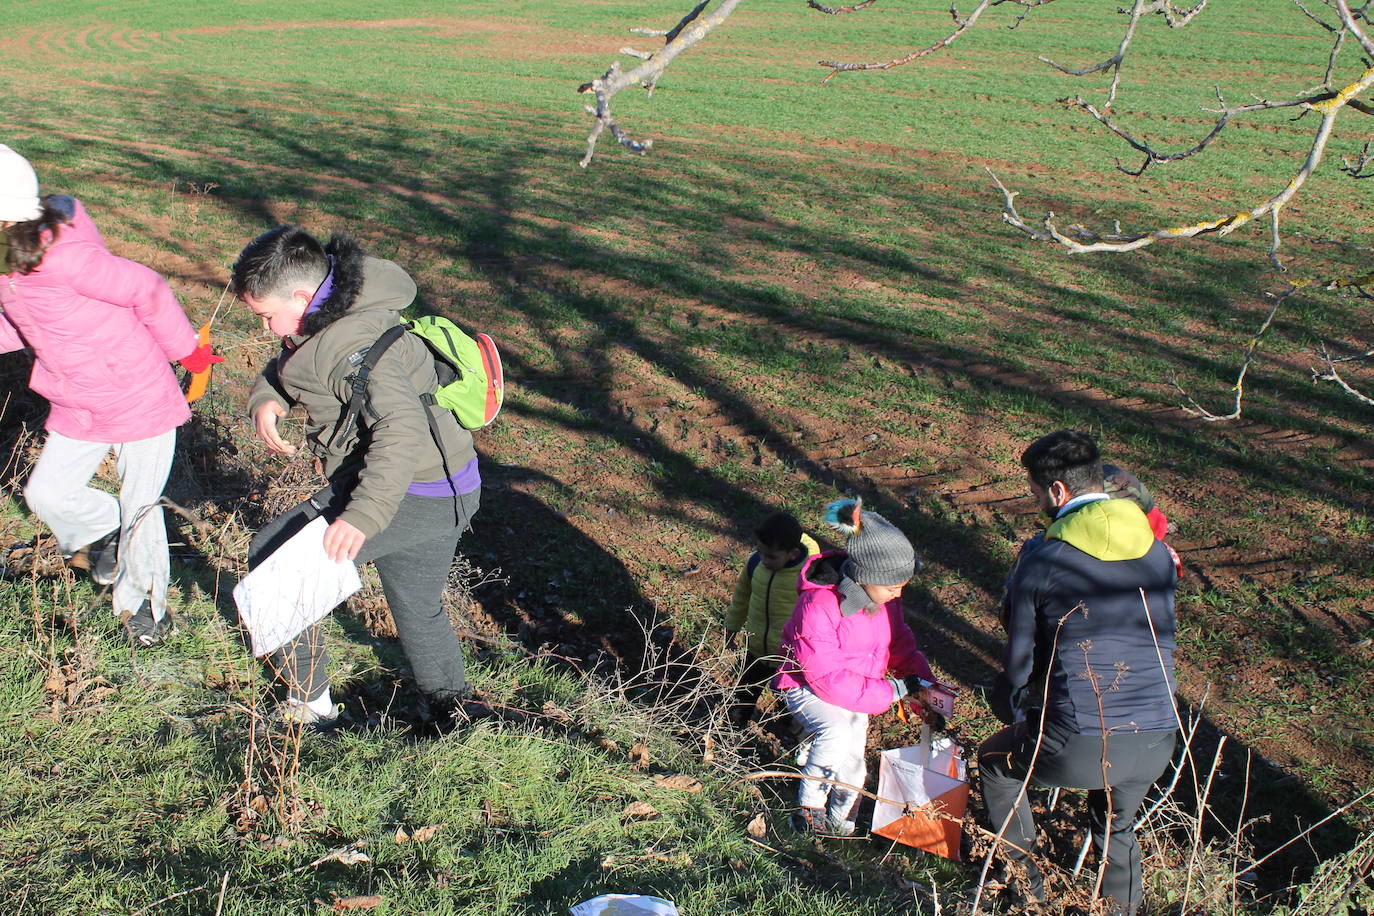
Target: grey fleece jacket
391 446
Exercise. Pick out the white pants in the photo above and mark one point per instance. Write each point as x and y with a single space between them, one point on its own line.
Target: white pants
78 514
833 748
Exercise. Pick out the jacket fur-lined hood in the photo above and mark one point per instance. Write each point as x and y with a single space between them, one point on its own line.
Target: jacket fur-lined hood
347 276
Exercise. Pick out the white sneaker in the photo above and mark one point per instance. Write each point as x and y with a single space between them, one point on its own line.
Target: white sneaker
293 711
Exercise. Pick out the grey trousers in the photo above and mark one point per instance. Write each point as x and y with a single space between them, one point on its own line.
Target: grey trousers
413 556
1074 761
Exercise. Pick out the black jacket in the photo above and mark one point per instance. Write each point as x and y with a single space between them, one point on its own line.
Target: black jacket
1079 638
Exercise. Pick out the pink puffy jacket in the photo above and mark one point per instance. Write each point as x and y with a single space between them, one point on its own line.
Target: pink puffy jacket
845 660
104 331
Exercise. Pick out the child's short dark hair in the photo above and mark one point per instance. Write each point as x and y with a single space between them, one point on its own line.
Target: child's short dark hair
780 531
1069 456
277 261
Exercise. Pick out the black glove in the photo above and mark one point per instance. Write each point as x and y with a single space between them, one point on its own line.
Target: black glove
915 684
916 687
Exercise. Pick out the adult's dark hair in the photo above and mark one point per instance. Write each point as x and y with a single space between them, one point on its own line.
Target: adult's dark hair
29 240
780 531
1069 456
279 261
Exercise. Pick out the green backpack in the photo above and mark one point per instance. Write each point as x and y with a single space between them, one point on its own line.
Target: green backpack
471 383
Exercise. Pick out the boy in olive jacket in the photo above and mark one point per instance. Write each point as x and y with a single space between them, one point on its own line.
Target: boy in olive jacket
765 596
401 492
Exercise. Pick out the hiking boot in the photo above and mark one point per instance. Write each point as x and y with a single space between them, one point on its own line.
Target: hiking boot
142 630
100 558
810 821
1022 890
459 708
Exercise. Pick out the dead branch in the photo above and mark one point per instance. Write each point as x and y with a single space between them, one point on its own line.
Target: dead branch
1349 20
836 10
692 28
1224 116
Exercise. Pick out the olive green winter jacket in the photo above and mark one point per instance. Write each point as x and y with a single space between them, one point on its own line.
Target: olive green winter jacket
391 445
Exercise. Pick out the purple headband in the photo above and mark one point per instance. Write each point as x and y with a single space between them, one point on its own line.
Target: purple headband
323 290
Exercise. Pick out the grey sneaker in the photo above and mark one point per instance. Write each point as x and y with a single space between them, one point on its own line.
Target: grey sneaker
103 559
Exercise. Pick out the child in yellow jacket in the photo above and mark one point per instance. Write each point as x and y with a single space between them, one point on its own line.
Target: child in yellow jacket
765 595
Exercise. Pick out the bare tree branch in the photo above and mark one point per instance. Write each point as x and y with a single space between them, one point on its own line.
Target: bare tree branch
1083 240
961 25
691 29
1171 14
1349 20
1251 349
836 10
1330 374
1112 63
1358 169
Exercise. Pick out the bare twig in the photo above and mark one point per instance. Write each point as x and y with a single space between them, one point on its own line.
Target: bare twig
1112 63
1197 833
1251 349
961 25
1000 837
1330 373
1173 16
1360 167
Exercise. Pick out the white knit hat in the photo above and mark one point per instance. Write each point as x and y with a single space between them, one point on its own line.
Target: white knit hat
18 188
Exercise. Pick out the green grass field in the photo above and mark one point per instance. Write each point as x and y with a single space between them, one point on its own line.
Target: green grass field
804 290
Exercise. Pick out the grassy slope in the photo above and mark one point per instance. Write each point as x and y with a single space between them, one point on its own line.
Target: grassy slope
703 334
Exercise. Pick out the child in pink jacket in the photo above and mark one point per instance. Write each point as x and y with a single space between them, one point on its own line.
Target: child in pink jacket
103 332
849 653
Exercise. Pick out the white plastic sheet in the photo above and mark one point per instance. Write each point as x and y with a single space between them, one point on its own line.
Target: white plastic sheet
294 587
930 782
625 905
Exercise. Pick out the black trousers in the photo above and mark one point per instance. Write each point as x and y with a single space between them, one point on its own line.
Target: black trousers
1134 761
413 556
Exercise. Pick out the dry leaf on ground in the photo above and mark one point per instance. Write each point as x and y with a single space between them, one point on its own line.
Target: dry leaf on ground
680 781
639 755
757 827
641 811
419 835
370 902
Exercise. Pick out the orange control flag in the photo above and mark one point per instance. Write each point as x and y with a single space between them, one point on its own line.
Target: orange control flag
200 381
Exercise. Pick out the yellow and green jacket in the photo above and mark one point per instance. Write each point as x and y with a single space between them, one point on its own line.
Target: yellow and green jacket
764 601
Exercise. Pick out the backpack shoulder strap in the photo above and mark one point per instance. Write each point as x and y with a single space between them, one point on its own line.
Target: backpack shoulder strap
753 563
359 382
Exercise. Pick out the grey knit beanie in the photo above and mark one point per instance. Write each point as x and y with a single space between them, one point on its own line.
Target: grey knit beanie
879 554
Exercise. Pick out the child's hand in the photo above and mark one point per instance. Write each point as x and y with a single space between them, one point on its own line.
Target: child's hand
342 541
265 422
